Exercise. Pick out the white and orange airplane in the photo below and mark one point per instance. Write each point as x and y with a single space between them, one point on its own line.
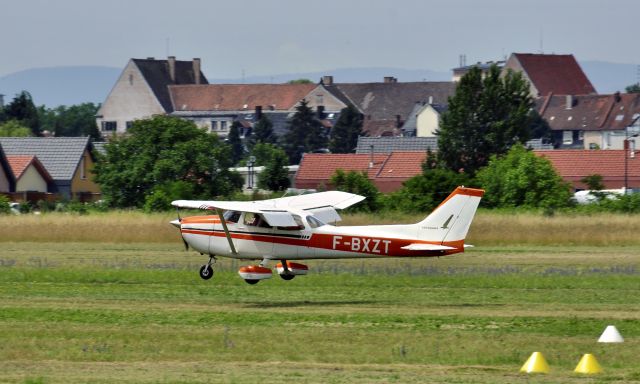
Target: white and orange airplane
294 228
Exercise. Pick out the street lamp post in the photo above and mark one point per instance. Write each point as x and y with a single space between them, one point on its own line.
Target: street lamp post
628 152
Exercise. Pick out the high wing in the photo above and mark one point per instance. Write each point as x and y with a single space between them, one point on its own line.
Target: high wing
277 211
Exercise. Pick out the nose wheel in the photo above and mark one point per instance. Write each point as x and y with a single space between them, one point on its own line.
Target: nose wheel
206 271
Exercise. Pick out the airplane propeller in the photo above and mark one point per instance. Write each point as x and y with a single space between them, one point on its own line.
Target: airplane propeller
176 223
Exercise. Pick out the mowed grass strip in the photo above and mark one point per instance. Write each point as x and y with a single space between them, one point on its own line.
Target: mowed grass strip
474 317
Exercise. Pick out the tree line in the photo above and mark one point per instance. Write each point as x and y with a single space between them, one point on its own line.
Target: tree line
21 118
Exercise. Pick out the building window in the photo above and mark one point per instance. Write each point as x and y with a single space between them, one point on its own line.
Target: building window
223 125
320 99
130 79
129 124
109 125
214 125
567 137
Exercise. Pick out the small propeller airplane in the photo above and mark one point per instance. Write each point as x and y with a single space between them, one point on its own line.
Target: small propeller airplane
294 228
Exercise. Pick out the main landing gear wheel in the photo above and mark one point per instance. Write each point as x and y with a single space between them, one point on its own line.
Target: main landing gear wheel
287 277
251 281
206 272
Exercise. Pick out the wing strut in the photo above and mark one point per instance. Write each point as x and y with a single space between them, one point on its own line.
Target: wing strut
226 230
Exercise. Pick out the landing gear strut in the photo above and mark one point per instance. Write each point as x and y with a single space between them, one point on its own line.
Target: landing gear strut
206 271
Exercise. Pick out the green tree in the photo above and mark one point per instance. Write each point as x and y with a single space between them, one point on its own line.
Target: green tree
486 116
235 142
24 111
522 179
305 133
12 128
424 192
275 175
358 183
75 120
300 81
263 152
633 88
262 132
344 134
160 156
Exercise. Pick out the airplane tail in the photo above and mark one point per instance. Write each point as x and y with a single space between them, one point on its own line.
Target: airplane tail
450 221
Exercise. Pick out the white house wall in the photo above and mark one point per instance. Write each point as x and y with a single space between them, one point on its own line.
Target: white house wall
31 180
427 122
131 98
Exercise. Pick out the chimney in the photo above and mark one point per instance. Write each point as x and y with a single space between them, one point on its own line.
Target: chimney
569 99
320 111
171 60
617 96
258 112
398 121
430 99
389 79
327 80
196 70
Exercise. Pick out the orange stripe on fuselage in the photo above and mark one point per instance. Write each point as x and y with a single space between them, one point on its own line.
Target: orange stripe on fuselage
376 246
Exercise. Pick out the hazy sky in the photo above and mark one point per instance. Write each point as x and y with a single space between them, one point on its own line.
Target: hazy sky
272 37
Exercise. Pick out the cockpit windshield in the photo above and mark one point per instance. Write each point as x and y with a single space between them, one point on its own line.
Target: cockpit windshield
232 216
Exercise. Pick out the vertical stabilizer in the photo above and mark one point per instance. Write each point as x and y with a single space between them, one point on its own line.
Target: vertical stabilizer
451 220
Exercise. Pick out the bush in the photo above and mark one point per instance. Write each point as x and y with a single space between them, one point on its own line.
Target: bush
522 179
358 183
5 208
425 192
161 196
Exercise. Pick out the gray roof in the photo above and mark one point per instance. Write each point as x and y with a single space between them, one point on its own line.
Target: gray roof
59 155
396 144
156 73
383 101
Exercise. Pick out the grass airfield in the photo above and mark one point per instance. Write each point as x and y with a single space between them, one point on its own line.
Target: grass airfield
105 311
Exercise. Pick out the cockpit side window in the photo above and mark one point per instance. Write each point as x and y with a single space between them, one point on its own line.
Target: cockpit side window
232 216
299 224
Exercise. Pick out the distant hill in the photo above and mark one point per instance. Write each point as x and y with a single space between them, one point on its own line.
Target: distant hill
74 85
56 86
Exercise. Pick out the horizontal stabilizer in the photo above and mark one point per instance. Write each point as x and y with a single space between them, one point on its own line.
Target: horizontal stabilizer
427 247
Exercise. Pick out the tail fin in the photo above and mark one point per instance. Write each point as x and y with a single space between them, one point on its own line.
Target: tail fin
451 220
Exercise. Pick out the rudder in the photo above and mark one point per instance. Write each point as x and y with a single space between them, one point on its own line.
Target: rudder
451 220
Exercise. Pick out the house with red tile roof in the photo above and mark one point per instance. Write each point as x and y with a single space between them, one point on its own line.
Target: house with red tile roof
557 74
29 173
591 121
386 170
573 165
216 106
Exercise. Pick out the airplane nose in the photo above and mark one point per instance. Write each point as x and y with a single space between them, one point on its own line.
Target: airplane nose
175 223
